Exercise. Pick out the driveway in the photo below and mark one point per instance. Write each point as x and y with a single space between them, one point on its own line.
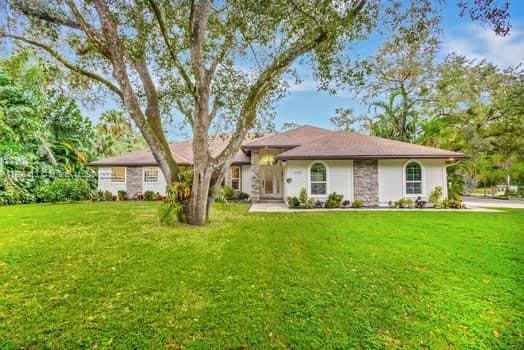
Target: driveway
481 202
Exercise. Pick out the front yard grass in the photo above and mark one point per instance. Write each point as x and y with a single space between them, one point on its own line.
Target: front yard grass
106 275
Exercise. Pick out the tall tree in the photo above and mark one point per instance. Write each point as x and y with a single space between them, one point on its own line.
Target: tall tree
133 47
115 135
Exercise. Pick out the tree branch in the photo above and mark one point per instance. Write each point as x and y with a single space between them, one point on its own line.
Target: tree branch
66 63
39 11
176 61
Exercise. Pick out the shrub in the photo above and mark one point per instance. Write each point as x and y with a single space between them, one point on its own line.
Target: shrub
229 193
302 197
391 204
122 195
310 203
108 196
419 203
139 196
175 206
242 196
346 204
293 202
220 196
97 196
501 196
334 200
404 203
435 197
61 190
453 203
357 203
149 196
319 204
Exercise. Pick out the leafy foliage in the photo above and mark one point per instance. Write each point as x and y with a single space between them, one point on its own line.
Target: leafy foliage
62 190
43 135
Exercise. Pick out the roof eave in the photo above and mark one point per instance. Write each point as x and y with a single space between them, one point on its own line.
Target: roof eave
358 157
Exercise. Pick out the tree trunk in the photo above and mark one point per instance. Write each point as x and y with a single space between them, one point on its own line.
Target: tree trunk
198 203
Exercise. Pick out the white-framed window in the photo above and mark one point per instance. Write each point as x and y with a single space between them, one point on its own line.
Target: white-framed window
150 175
318 179
118 174
413 178
235 178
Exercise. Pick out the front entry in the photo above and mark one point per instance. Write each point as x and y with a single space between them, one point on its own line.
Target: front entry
271 177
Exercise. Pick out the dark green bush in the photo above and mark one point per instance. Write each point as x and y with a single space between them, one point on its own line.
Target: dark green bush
419 203
149 195
293 202
242 196
122 195
62 190
334 200
108 196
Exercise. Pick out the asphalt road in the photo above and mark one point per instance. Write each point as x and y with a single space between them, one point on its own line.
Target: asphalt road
471 201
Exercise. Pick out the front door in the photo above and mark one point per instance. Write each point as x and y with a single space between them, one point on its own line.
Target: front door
271 177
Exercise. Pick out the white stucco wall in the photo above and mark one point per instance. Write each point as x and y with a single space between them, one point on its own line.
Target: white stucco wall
339 175
159 186
392 184
105 184
245 178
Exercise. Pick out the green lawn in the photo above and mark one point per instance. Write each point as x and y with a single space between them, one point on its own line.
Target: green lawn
106 275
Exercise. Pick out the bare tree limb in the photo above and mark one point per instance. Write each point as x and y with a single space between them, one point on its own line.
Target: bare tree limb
40 11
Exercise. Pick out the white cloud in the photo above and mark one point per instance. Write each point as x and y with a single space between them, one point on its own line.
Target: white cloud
478 42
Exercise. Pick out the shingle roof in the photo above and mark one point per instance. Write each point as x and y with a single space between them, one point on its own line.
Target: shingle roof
182 152
349 145
289 139
304 142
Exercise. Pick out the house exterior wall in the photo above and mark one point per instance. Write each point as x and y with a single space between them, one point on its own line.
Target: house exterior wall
134 182
392 184
245 178
339 177
105 184
159 186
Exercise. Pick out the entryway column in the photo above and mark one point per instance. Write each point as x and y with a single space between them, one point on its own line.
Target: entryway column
255 176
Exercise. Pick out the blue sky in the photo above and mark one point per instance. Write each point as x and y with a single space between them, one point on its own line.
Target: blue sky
306 105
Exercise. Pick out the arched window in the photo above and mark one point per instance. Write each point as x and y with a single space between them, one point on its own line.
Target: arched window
318 179
413 178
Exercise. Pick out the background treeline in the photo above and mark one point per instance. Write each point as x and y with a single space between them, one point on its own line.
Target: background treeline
45 141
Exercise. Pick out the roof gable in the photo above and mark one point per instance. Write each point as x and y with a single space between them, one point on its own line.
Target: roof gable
289 139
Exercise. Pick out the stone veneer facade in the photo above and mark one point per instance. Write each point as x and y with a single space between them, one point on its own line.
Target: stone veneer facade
255 176
365 181
134 181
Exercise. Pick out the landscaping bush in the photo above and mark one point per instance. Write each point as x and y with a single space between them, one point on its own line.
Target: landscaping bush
319 204
220 196
357 203
62 190
229 193
149 196
122 195
108 196
404 203
419 203
293 202
501 196
334 200
346 204
435 197
302 197
242 196
138 196
310 204
453 203
97 196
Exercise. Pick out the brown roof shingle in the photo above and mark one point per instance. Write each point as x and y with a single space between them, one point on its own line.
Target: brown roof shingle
289 139
349 145
182 152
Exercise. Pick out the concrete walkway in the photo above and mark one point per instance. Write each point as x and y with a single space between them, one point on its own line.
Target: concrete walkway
281 207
